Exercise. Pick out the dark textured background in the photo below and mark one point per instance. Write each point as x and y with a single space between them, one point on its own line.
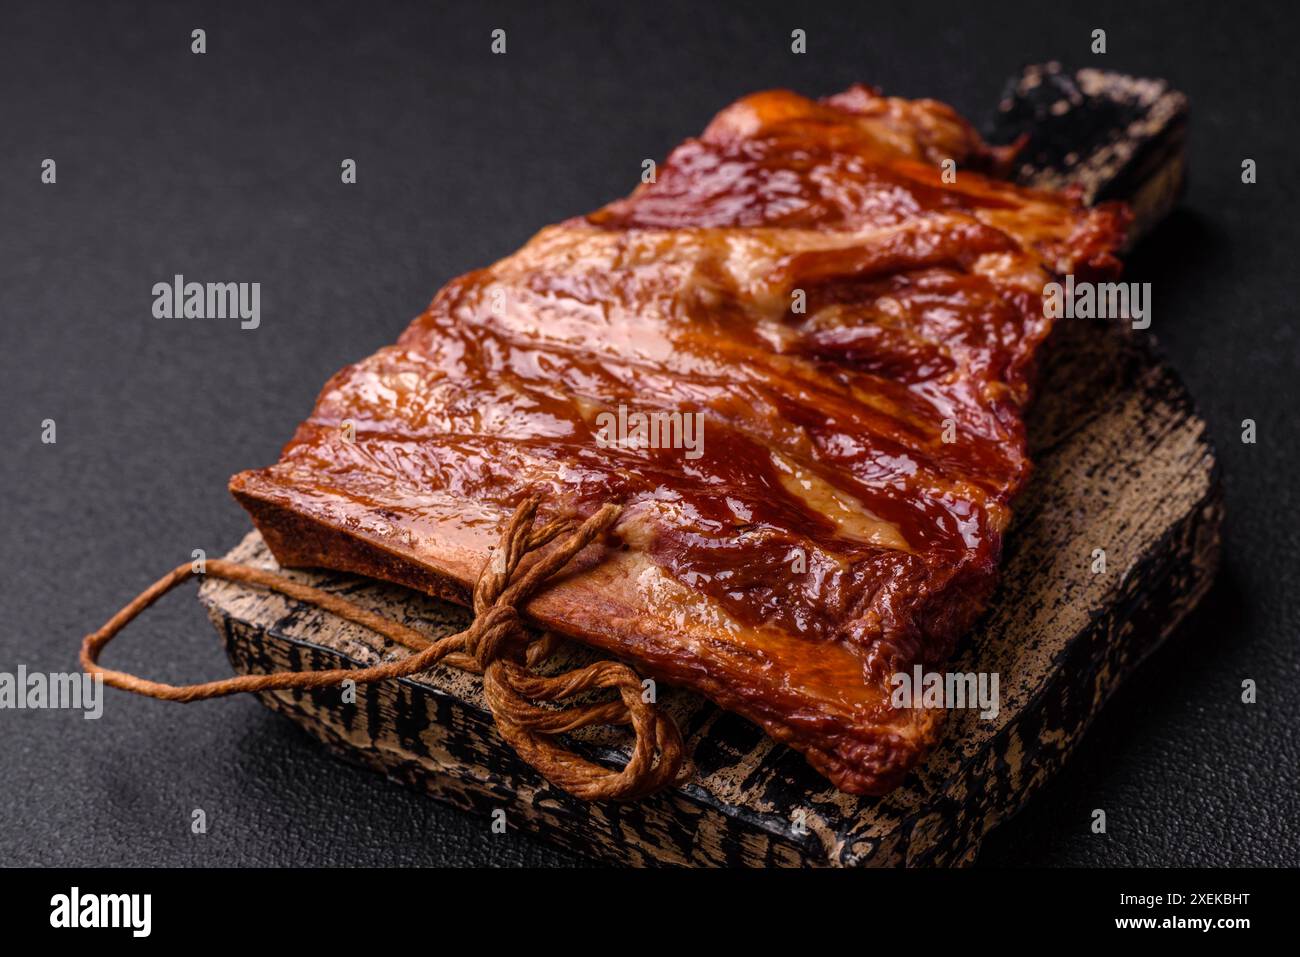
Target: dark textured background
226 167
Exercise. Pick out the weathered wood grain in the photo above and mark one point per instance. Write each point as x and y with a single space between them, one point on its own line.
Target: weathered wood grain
1123 465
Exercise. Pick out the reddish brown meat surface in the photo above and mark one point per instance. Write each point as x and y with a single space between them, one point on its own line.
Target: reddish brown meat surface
827 535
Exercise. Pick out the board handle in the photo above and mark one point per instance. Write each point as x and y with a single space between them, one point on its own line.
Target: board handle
1110 135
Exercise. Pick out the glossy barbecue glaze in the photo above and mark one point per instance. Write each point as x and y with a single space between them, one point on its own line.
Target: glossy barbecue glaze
859 338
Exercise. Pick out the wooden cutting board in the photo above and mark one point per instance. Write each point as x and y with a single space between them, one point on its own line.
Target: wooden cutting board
1124 468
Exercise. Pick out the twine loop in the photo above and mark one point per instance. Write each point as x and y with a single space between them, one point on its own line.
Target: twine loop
524 703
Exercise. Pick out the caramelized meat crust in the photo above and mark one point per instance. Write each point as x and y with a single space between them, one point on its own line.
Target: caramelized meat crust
858 338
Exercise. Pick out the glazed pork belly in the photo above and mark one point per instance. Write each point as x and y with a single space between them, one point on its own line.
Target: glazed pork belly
853 323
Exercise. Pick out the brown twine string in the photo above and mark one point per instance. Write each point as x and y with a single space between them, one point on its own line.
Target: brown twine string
490 646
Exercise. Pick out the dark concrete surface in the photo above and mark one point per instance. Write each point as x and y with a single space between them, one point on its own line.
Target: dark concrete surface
226 167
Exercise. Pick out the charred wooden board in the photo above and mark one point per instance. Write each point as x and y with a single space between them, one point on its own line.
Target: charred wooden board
1123 465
